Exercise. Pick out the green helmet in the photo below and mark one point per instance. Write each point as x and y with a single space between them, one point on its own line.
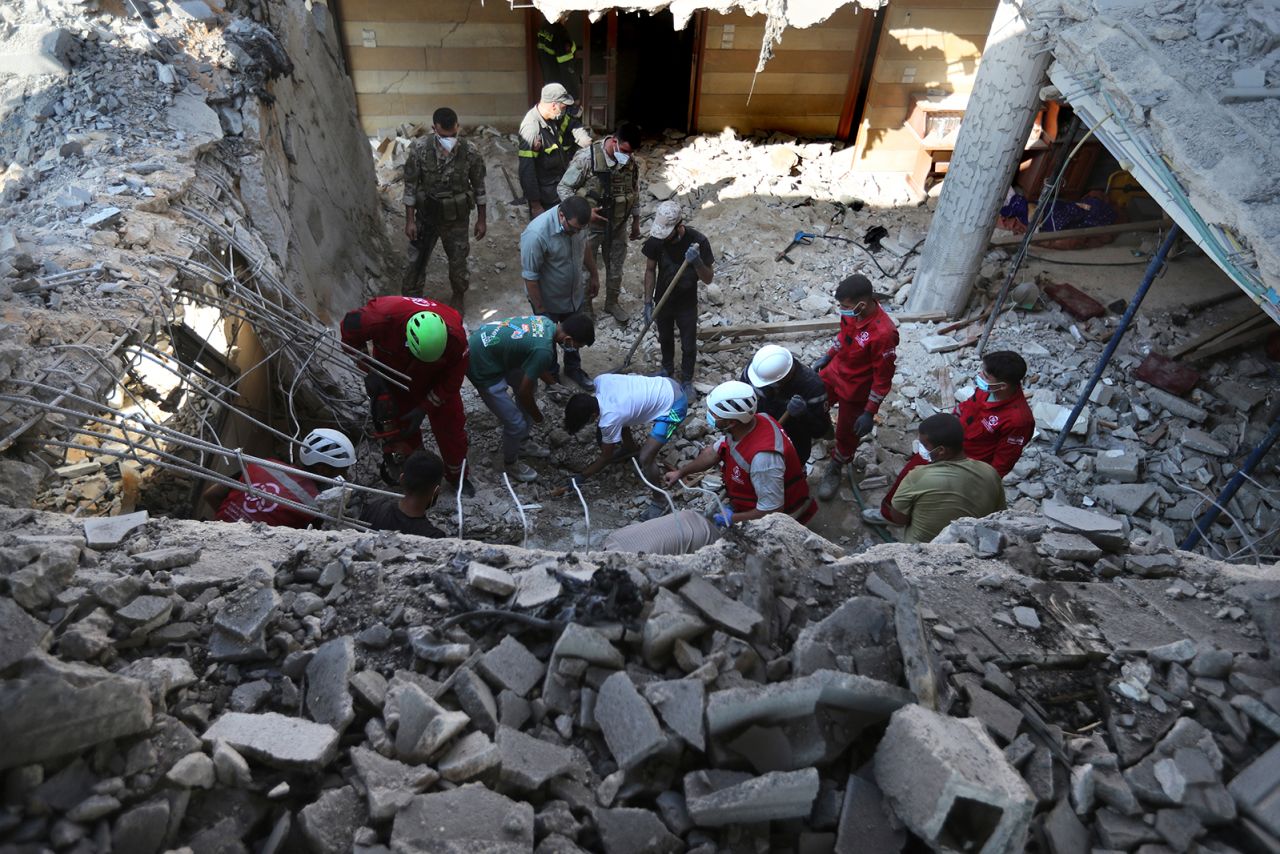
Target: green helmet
427 335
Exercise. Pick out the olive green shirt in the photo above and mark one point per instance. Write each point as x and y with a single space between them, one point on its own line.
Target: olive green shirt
937 494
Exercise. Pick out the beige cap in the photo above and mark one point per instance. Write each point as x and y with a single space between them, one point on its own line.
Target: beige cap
665 220
555 93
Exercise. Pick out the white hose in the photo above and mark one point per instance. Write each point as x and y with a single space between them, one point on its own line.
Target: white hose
585 512
524 521
665 494
685 545
462 478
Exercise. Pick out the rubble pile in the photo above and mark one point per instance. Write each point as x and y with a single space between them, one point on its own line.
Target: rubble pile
332 691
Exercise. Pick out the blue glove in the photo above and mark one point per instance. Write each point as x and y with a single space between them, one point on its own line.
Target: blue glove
822 363
724 518
864 424
693 253
648 311
796 406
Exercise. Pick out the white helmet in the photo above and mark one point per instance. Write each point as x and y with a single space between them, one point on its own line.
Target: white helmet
323 445
733 400
770 364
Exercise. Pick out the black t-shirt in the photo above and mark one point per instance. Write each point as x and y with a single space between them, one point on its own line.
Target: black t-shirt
670 255
384 514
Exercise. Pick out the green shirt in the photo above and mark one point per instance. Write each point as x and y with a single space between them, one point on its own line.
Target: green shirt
937 494
525 344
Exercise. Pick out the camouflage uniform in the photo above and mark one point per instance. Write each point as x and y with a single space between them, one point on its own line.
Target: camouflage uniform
615 190
442 188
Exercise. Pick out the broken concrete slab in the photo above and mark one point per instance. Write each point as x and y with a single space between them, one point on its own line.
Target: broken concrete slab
1118 465
31 50
292 744
772 796
866 821
535 587
1068 546
35 585
247 614
862 628
663 629
1103 531
20 634
510 665
578 641
1255 788
1127 498
1175 405
871 699
425 726
489 579
107 532
1201 442
328 678
52 708
527 762
470 817
1001 719
468 758
680 703
160 675
1063 830
389 784
629 726
476 699
730 615
936 771
329 823
634 831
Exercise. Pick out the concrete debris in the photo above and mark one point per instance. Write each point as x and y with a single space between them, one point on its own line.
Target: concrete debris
467 818
629 726
778 795
727 613
328 695
276 740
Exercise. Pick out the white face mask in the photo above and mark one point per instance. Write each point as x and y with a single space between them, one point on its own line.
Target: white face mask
711 422
924 452
621 158
447 142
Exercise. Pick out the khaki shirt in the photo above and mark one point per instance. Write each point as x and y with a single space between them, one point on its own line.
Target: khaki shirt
595 176
430 172
937 494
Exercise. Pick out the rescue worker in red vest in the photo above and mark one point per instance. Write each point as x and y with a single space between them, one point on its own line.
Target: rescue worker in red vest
324 452
997 423
857 371
425 340
762 473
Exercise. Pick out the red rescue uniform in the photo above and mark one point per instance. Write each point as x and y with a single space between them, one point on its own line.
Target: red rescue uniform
241 506
383 322
995 432
860 374
735 464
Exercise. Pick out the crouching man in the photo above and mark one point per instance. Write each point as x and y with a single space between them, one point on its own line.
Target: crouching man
951 487
762 472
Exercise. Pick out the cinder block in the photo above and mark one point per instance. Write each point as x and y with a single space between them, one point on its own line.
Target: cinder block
951 785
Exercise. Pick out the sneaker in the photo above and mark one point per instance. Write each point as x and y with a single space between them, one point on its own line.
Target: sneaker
520 470
873 516
530 448
655 510
619 313
830 483
580 377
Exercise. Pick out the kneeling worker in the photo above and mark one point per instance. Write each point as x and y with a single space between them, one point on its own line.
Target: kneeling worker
622 402
420 478
325 452
762 473
951 487
792 393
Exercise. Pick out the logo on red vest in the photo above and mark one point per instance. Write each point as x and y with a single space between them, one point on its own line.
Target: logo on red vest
991 422
257 504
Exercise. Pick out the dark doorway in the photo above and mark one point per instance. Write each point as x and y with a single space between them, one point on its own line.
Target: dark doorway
653 71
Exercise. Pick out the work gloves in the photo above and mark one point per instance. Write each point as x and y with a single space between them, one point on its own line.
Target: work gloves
648 312
796 406
864 424
724 518
822 363
693 253
413 423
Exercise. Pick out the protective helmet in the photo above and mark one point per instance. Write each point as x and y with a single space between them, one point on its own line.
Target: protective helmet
323 445
770 364
427 335
733 400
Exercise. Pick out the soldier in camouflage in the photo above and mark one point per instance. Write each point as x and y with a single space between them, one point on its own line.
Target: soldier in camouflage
608 178
443 179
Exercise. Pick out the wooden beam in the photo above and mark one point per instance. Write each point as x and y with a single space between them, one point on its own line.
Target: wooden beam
853 89
695 72
1228 327
1094 231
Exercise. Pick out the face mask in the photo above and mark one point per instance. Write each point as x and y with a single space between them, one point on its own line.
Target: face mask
711 422
621 158
848 312
447 142
925 453
981 382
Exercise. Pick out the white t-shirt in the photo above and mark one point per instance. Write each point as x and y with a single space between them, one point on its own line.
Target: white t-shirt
626 401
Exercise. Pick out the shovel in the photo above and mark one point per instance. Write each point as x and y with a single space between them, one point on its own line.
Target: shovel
671 288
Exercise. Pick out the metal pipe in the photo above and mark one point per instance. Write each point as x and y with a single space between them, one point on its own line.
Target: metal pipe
1255 457
1153 269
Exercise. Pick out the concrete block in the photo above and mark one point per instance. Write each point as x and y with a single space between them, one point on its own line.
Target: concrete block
1127 498
589 645
1256 790
1067 546
535 587
950 784
635 831
681 703
329 823
777 795
292 744
34 50
1118 465
328 683
1051 416
1202 442
629 726
1104 531
1175 405
468 758
1064 832
107 532
866 822
469 818
871 700
499 582
476 699
1001 719
20 634
510 665
939 343
529 762
727 613
861 623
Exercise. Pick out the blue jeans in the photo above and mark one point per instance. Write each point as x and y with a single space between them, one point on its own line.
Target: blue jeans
515 424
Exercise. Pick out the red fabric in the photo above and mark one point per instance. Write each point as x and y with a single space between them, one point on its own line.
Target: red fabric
382 321
864 355
241 506
847 413
766 436
996 432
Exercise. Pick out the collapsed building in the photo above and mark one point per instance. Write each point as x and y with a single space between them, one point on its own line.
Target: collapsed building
194 203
